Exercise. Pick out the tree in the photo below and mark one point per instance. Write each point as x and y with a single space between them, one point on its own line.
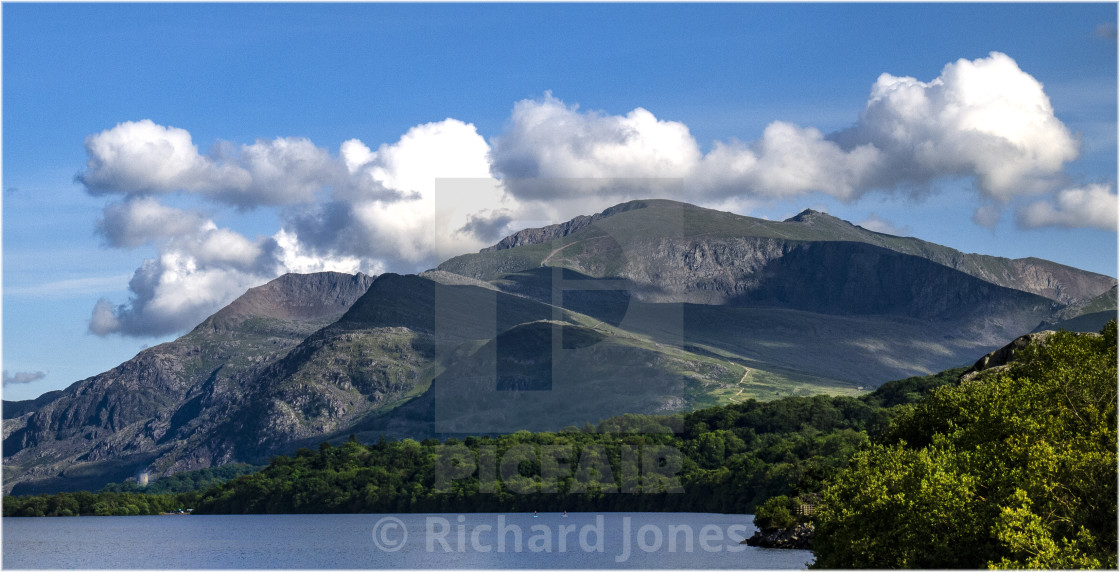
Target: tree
774 514
1014 469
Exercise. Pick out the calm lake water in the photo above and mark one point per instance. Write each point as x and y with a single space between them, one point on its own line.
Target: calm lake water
467 541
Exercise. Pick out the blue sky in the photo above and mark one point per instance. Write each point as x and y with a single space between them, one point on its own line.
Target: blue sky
363 105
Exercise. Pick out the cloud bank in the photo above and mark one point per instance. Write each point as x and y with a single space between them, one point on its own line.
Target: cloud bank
985 119
442 189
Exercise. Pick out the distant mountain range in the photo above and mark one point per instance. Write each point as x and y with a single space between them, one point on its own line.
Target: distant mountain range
648 307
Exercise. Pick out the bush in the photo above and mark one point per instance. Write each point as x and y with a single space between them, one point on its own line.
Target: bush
774 514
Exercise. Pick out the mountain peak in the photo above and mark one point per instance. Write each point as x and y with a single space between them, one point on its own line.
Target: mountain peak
312 296
810 215
556 231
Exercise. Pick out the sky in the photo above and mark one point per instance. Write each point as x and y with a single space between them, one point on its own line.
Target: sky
160 159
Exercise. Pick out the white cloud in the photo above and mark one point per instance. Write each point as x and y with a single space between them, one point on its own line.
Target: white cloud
385 217
985 119
878 224
390 216
137 221
192 277
548 139
1091 206
143 158
788 160
285 170
294 257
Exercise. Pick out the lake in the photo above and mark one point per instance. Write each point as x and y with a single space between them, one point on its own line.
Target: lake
410 541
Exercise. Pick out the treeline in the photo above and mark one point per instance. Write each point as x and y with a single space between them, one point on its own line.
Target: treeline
169 494
84 503
721 459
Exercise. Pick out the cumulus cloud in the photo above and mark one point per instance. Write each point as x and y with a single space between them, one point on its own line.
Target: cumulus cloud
386 215
21 377
1091 206
984 118
143 158
788 160
295 257
285 170
393 220
547 139
191 278
137 221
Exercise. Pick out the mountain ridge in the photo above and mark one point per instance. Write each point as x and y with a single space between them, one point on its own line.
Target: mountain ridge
1058 282
706 306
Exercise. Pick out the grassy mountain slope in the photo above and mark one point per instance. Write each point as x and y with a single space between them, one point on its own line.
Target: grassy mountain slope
416 357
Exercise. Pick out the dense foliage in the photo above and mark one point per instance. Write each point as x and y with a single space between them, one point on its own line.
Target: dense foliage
775 513
1016 469
186 481
84 503
731 458
726 459
169 494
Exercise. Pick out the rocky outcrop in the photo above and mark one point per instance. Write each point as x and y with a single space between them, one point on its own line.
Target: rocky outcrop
1001 359
799 536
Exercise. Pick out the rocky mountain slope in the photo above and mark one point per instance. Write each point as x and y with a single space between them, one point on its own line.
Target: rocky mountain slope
648 307
156 411
701 255
810 296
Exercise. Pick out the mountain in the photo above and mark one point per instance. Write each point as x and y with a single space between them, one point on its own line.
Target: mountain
648 307
810 297
155 411
702 251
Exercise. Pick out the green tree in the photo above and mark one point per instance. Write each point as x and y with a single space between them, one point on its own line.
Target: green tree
774 514
1013 469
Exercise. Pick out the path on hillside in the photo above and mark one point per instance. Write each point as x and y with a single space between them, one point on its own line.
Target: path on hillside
746 372
553 253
